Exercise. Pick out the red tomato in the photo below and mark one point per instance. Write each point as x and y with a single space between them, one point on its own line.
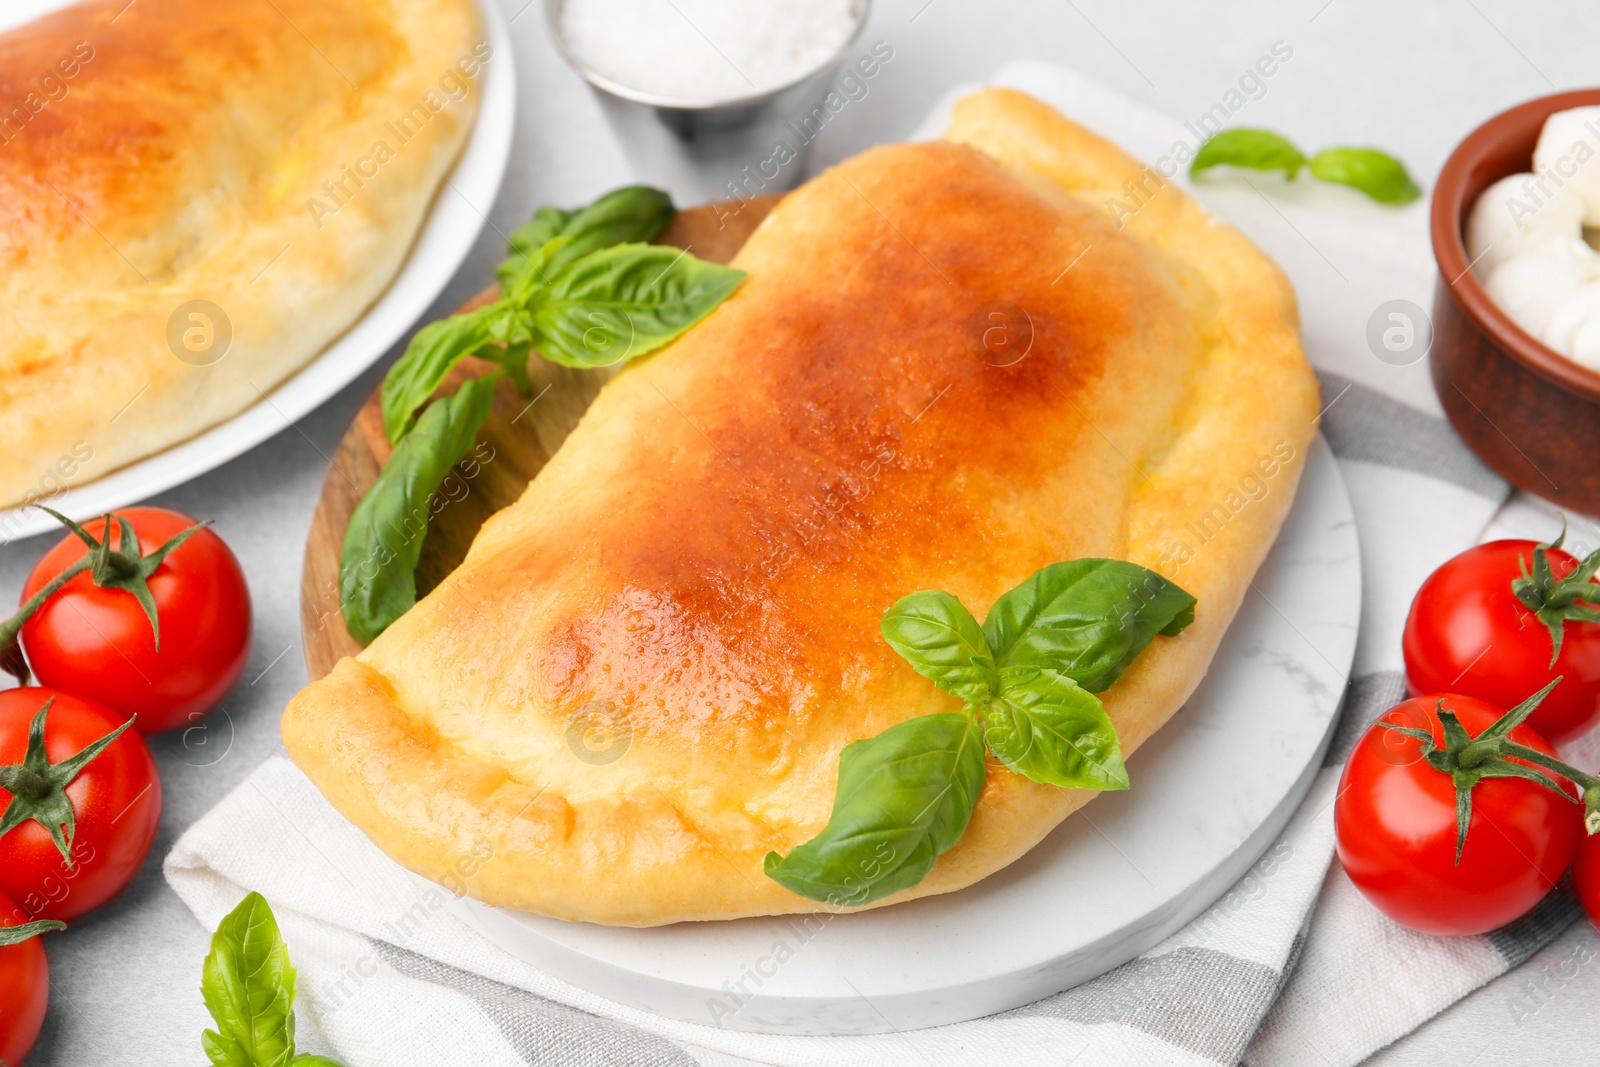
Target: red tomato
1586 876
1395 820
116 799
98 642
1468 633
24 989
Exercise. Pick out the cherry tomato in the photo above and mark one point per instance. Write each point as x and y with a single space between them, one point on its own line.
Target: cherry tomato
1395 820
98 642
24 989
116 801
1586 876
1468 633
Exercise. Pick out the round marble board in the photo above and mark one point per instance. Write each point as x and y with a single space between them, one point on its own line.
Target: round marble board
1211 791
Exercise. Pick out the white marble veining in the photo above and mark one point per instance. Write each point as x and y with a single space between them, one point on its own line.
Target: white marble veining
1210 792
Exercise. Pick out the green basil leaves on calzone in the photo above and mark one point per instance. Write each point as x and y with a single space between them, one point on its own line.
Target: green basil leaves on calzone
1028 677
943 642
1087 618
904 798
1047 728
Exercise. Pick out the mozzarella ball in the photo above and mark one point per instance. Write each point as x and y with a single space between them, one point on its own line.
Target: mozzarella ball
1569 151
1570 318
1514 216
1530 287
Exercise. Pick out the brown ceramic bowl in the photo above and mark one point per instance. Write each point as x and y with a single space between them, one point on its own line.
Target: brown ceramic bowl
1527 411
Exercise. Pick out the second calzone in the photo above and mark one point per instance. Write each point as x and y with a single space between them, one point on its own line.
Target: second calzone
198 198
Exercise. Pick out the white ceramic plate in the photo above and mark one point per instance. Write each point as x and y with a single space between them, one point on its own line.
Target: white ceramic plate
458 214
1210 792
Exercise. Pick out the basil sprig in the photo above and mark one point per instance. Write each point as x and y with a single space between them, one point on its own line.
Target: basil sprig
1046 727
943 643
623 216
1087 618
581 287
1028 675
904 798
1378 174
382 544
622 301
434 349
539 254
248 987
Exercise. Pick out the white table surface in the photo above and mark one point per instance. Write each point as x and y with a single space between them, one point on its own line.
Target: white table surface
1412 77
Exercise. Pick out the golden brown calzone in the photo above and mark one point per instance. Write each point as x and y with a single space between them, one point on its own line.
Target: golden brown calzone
273 158
708 556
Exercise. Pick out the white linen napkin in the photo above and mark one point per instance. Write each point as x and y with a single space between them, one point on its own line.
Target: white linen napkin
1290 967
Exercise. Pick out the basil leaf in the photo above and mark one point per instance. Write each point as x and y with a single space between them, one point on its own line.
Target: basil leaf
624 301
527 239
378 561
434 349
1087 618
501 332
1043 726
248 986
1256 149
306 1059
904 798
541 250
631 215
943 642
1378 174
636 213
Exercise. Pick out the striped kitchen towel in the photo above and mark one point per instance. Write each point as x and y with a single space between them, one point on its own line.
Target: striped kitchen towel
1290 967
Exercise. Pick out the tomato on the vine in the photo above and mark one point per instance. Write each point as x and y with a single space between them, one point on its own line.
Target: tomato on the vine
1397 821
74 782
158 628
24 982
1586 876
1486 623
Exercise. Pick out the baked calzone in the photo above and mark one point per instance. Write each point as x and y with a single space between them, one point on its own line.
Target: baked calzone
706 560
196 198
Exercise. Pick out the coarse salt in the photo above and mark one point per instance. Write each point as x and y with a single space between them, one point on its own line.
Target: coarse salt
705 51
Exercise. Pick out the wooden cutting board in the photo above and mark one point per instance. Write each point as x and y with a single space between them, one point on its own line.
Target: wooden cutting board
522 432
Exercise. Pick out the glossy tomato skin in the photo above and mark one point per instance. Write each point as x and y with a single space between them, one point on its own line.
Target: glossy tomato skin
97 642
116 799
1468 633
1396 827
24 989
1586 876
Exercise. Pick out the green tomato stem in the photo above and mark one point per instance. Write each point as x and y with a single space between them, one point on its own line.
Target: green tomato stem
13 626
22 782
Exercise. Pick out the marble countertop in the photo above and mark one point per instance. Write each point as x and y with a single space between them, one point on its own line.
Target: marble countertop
1410 77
